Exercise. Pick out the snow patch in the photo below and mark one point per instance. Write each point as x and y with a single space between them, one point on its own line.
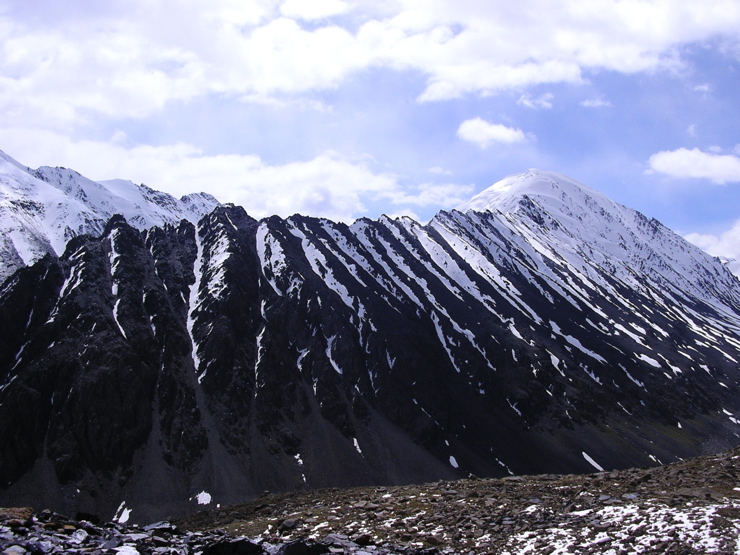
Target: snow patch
193 302
126 550
651 361
122 514
357 445
592 462
329 345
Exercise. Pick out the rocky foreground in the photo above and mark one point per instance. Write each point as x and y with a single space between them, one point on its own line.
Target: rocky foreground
689 507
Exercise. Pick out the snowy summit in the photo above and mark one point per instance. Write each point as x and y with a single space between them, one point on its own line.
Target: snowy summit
42 209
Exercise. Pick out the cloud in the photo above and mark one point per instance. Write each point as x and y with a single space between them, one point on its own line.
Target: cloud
315 9
482 48
541 102
595 103
428 194
485 78
483 133
51 78
694 163
725 245
63 65
329 185
127 65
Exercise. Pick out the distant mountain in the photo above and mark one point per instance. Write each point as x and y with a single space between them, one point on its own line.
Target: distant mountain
42 209
540 327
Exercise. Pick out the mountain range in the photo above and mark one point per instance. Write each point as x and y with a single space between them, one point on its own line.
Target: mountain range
181 353
42 209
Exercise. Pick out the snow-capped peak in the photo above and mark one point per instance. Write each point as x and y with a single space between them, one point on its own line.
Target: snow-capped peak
505 195
42 209
14 162
575 223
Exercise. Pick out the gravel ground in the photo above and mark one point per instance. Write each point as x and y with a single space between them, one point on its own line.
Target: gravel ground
689 507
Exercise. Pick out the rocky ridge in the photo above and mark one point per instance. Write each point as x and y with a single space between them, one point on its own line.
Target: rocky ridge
688 507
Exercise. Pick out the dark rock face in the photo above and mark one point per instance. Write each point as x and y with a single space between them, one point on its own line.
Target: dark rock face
180 366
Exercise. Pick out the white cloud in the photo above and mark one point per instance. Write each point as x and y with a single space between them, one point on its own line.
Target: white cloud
483 133
485 77
281 56
328 185
445 195
725 245
474 47
129 65
315 9
694 163
543 101
128 59
595 103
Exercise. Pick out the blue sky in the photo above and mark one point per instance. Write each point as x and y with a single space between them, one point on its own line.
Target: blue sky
356 108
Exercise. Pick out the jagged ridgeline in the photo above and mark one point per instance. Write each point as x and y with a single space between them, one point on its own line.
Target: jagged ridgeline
540 327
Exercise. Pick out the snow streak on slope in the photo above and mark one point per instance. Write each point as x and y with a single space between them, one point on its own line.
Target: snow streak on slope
214 257
272 257
113 259
472 242
537 230
321 267
588 247
194 303
383 254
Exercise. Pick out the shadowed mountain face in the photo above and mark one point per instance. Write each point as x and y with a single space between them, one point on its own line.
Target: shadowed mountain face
541 328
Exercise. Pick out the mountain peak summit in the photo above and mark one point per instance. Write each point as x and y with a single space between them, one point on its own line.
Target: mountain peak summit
505 194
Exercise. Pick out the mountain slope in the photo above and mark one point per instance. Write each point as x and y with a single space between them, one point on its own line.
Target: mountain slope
42 209
543 330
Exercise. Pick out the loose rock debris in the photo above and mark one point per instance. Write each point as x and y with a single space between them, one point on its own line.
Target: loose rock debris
691 507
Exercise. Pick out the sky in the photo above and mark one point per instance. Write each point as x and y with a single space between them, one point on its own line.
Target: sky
356 108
